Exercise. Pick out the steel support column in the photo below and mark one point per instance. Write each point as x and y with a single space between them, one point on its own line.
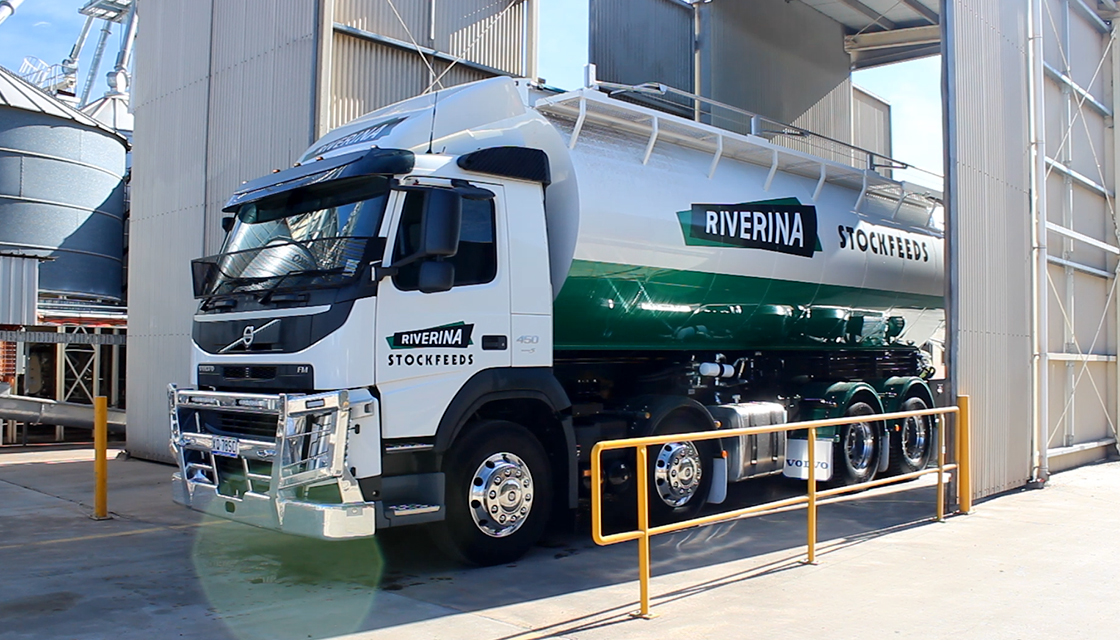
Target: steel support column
1036 108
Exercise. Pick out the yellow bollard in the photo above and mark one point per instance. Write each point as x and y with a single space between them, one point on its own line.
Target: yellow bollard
812 528
964 457
100 462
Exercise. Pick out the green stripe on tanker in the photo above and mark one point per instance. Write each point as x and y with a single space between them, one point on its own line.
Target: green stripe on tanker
617 306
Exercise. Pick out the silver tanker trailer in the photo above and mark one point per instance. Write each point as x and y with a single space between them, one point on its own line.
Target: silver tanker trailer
434 316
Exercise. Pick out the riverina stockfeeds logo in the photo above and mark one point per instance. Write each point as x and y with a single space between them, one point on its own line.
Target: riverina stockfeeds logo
448 336
368 134
782 226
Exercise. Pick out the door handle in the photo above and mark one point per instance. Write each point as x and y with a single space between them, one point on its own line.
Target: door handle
494 343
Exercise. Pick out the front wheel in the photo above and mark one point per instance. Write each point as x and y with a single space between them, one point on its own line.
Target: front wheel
498 494
856 458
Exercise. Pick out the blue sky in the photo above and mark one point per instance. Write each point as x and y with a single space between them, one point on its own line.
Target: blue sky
46 29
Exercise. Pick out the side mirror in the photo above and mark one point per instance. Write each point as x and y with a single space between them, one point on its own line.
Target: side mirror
441 217
436 277
203 274
227 223
440 223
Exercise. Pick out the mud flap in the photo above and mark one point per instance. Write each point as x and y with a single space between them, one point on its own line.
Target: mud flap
718 492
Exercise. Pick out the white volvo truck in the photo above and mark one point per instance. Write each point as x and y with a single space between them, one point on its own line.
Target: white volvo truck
437 312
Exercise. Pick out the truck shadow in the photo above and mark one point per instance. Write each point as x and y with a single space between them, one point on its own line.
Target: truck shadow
404 563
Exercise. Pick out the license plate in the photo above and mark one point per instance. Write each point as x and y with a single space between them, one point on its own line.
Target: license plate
223 446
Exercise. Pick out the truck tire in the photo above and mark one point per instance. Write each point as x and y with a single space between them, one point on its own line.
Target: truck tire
680 473
498 494
855 458
912 444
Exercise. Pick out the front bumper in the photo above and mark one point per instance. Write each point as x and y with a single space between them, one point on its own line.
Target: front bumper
272 461
313 520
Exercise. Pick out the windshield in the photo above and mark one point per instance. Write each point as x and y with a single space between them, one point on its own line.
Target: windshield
318 236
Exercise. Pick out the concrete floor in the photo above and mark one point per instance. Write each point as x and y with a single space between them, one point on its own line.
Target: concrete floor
1030 564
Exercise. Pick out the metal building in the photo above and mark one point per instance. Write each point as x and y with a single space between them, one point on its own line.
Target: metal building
228 90
61 192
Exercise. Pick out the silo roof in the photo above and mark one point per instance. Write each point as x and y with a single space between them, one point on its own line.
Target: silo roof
18 93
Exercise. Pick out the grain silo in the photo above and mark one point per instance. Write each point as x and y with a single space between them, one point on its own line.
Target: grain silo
61 192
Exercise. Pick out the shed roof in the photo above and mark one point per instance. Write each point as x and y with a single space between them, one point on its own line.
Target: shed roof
885 31
879 15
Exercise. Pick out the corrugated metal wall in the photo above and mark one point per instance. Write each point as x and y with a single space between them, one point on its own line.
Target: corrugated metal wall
367 74
489 32
636 41
871 124
831 116
19 289
781 60
216 103
262 94
377 16
989 232
170 100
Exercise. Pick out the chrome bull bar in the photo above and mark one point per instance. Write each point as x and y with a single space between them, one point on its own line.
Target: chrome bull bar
273 461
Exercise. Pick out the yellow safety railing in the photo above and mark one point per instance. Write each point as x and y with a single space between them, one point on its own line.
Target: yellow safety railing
644 531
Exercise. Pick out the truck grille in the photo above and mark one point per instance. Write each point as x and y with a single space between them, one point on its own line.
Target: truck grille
242 425
249 373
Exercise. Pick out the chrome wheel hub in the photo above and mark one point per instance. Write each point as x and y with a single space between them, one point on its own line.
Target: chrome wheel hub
677 473
501 495
859 443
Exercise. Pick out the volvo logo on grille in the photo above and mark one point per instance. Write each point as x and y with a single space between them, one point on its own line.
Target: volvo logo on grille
248 336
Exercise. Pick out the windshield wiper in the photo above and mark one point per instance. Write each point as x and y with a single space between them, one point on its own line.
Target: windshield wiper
233 283
300 272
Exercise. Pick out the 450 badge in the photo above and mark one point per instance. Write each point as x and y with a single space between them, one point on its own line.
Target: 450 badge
456 335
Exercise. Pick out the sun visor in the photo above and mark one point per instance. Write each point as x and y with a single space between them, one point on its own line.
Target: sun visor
351 165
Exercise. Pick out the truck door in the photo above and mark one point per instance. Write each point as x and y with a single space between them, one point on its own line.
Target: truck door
428 345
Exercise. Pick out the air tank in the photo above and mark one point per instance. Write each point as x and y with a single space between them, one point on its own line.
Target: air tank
61 192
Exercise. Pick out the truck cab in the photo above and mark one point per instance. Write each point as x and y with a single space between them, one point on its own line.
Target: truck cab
362 310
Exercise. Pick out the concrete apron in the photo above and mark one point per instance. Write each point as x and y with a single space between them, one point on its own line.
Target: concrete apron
1028 564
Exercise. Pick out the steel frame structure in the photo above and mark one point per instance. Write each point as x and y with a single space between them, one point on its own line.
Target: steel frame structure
87 364
1062 256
